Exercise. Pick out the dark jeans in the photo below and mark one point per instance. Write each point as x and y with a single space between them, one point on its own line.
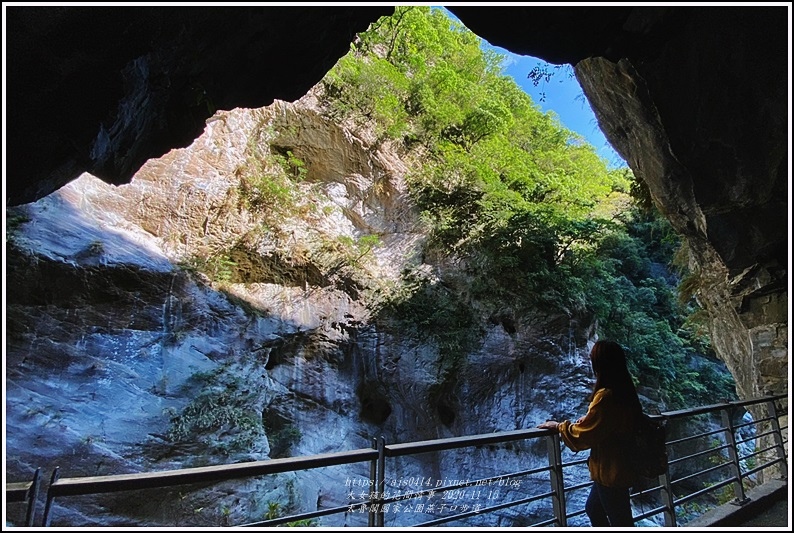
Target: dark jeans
608 506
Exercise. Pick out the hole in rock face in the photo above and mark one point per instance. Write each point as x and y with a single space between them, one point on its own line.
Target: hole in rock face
445 413
507 322
442 398
508 325
278 419
374 405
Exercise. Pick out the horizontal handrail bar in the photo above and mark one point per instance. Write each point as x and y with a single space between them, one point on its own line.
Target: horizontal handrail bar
93 485
646 491
522 473
306 516
753 422
706 490
18 492
724 405
717 431
764 434
762 467
648 514
574 463
577 487
751 439
484 510
705 471
709 451
537 497
410 448
458 486
672 415
755 401
758 452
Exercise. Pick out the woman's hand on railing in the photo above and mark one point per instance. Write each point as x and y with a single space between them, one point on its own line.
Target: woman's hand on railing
549 424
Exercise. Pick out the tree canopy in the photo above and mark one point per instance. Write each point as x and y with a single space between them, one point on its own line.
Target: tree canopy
530 210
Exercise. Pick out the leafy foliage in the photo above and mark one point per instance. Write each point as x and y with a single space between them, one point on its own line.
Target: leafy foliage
218 267
15 218
220 417
268 178
640 308
529 209
274 512
436 311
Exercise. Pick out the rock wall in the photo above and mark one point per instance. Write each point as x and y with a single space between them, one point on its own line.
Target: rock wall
695 98
734 232
122 358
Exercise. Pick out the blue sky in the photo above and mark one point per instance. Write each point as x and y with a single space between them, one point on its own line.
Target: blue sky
562 95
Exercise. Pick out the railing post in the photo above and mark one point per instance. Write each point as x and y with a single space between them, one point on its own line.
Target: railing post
776 434
381 481
730 437
48 506
33 496
373 479
668 499
557 481
666 494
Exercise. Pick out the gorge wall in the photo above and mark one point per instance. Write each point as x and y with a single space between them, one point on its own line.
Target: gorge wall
671 89
694 98
123 357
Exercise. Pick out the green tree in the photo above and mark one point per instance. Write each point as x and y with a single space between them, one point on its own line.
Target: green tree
530 210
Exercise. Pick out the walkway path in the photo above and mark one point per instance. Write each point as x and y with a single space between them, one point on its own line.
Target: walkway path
767 507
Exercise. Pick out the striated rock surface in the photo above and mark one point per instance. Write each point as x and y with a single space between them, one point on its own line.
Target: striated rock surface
123 357
694 97
735 232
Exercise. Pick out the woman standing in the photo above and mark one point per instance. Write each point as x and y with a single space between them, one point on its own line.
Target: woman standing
604 430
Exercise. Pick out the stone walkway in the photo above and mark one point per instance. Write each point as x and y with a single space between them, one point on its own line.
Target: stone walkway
777 515
767 507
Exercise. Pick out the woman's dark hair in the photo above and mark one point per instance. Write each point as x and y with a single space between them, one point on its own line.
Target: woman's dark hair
609 364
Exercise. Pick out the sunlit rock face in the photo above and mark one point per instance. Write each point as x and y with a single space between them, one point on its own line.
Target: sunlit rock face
122 358
672 91
712 149
694 98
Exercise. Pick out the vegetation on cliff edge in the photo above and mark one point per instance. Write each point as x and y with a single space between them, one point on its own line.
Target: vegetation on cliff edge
528 209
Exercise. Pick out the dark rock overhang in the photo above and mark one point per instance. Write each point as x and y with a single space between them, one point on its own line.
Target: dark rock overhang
103 89
694 98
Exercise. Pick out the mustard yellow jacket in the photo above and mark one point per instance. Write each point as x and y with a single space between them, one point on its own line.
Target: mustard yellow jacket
603 430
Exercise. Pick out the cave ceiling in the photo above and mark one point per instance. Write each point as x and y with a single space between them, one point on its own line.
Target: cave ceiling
104 89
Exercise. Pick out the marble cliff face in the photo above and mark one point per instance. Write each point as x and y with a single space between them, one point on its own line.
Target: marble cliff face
121 358
101 314
671 88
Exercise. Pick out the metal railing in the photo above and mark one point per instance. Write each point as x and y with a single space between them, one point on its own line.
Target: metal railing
675 492
722 447
26 492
